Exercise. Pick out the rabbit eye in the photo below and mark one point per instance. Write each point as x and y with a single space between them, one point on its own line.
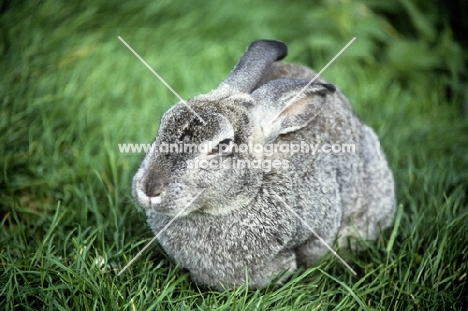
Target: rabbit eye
186 136
226 141
223 147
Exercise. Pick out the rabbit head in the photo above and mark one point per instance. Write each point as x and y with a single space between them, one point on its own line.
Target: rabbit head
198 143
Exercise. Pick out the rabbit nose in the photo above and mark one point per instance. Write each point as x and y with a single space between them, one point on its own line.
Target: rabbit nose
153 184
153 189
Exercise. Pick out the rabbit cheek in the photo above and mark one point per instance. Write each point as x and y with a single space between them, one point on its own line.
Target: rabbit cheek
227 189
177 199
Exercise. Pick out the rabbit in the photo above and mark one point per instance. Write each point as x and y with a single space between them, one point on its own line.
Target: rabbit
239 230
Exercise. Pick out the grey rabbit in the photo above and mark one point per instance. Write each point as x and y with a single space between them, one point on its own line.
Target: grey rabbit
240 226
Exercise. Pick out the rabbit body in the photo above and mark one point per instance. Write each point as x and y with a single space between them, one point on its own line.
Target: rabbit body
241 226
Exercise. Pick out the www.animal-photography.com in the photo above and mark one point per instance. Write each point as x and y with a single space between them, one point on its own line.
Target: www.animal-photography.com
203 155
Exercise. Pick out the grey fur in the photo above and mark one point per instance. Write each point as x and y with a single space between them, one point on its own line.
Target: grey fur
237 226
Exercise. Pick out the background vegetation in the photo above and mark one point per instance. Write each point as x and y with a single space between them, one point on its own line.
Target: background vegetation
70 91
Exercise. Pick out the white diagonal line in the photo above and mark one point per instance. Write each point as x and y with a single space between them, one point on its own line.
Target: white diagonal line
161 79
313 79
315 233
159 233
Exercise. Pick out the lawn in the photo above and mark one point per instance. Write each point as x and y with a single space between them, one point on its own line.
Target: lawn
71 91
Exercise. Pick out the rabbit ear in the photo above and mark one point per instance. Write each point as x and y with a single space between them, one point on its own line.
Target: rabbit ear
283 106
252 66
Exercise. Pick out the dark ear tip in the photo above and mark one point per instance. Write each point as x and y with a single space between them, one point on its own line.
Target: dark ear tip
279 47
330 87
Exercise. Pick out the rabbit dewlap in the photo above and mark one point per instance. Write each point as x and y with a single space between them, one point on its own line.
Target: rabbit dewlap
249 170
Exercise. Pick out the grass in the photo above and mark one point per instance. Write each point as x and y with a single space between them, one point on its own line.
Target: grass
71 91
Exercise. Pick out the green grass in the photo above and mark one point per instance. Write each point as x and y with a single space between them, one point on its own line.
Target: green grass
70 91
